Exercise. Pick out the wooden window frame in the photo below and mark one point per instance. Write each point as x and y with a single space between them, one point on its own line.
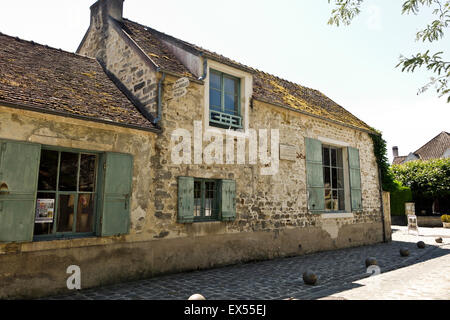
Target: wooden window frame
72 234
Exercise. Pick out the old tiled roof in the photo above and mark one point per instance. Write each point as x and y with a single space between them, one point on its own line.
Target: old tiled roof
435 148
51 80
155 49
266 87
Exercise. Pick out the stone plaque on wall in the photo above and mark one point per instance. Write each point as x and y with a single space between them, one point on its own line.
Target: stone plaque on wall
288 152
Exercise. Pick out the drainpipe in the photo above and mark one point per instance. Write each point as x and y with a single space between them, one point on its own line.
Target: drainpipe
205 68
160 83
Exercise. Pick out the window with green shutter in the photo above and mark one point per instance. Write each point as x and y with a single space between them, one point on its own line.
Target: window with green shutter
326 181
51 193
202 200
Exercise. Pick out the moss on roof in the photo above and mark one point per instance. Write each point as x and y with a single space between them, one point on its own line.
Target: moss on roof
48 79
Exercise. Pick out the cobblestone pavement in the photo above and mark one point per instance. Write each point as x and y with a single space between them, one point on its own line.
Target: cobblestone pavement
342 274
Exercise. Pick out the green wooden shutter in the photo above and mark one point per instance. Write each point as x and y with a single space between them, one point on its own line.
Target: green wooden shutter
115 193
314 175
355 178
19 170
228 200
185 199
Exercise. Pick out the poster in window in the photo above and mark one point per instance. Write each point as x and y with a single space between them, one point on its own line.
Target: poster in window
44 210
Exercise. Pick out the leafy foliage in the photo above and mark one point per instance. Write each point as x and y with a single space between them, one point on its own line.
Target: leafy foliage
380 150
425 178
399 197
346 10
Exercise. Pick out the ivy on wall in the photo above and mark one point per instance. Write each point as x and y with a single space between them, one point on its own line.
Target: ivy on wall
380 150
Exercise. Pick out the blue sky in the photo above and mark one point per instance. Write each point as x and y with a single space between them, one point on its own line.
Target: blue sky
354 65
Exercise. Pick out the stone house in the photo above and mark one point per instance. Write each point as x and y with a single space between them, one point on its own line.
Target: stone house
143 154
436 148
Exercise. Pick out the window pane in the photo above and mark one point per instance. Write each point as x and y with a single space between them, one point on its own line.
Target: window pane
231 86
326 177
197 198
230 104
45 211
333 158
210 195
339 158
215 80
68 172
334 178
328 199
85 213
66 209
341 197
87 172
48 170
335 202
215 100
340 178
326 156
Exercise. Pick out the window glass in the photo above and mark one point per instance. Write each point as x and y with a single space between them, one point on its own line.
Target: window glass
68 172
48 170
85 215
66 210
197 198
230 104
215 80
87 172
326 156
215 99
333 175
230 85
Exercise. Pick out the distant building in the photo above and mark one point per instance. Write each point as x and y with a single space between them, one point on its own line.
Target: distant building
436 148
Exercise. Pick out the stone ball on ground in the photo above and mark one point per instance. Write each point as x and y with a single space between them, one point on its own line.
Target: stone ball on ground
404 252
421 245
439 240
371 262
197 297
309 277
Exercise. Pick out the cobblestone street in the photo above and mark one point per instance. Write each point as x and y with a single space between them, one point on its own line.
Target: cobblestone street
341 274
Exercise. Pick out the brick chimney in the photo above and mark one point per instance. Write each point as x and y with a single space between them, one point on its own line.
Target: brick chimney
395 151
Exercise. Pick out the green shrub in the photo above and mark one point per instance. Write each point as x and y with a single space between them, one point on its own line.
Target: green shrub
445 218
399 197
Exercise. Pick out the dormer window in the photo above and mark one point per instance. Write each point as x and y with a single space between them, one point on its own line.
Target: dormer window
224 100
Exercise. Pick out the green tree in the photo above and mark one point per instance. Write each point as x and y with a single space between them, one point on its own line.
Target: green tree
346 10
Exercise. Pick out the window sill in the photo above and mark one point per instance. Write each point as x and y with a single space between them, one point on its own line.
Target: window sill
337 215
